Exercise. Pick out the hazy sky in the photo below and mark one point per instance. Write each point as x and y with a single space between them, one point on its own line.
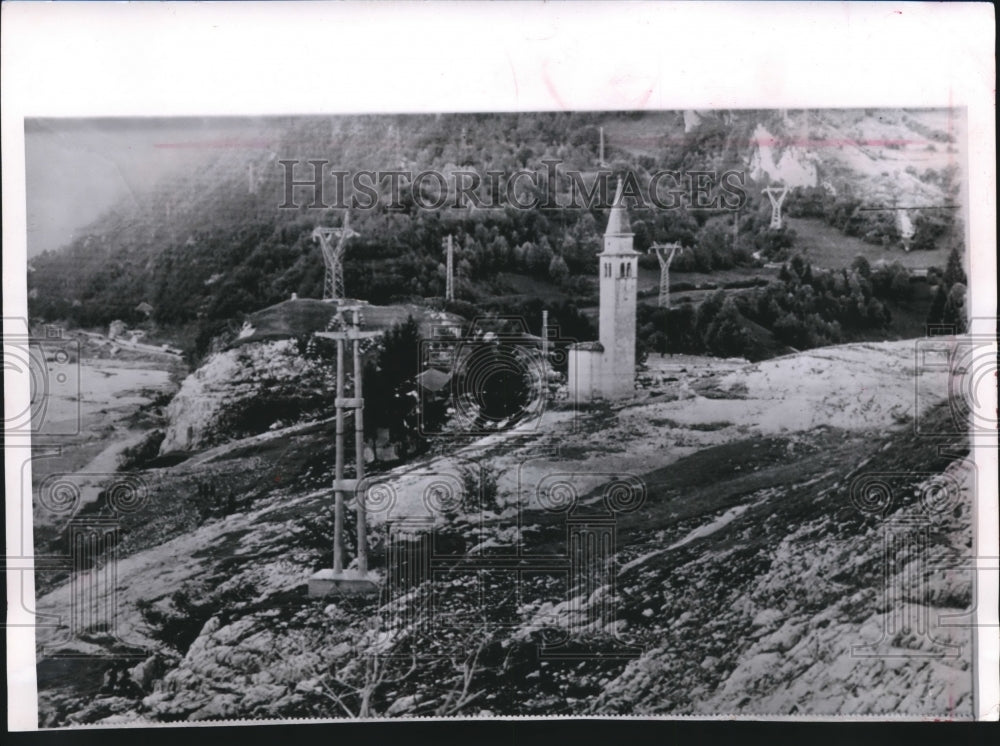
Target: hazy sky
78 168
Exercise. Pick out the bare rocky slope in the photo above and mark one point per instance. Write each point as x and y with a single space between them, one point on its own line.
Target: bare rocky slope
271 374
750 576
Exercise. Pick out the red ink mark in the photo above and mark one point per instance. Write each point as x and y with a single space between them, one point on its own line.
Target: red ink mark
784 142
552 89
513 75
216 144
771 142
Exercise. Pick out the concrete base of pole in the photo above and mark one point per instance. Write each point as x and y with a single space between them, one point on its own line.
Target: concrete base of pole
348 582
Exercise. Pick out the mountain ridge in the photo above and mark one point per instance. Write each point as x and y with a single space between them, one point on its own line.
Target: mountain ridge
205 247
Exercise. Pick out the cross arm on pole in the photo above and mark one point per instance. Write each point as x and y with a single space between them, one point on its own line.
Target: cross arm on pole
349 333
660 249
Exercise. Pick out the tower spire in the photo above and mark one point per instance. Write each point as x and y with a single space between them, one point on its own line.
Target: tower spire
618 219
618 236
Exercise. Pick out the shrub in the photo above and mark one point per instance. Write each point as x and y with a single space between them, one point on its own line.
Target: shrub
479 489
136 457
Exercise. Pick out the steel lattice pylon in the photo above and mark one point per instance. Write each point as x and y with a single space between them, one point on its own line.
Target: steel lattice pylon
665 260
777 196
333 256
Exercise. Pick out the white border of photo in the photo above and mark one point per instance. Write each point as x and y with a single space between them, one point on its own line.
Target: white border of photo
174 59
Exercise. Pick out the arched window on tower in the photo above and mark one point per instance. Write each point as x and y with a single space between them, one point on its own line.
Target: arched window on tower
628 269
621 269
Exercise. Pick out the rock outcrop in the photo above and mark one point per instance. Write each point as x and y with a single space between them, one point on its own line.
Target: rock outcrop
245 391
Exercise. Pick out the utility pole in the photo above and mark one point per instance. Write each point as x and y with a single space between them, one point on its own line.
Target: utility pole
449 282
359 446
338 473
396 144
665 260
326 581
545 341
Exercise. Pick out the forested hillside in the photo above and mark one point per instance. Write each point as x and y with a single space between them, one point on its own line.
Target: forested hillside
213 244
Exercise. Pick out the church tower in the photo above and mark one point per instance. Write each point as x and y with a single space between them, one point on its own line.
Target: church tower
618 267
606 369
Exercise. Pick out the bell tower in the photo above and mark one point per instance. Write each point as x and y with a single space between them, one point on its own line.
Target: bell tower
618 267
606 369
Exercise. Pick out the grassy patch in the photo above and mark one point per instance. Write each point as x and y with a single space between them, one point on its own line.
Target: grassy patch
699 426
139 455
575 453
825 246
710 389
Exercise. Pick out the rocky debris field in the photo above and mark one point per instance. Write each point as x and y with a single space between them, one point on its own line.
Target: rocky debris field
761 572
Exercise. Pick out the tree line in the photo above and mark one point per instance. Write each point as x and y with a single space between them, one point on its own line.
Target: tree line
803 308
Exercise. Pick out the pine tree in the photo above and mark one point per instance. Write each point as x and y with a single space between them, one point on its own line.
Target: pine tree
936 313
558 271
707 311
954 271
954 309
862 266
727 336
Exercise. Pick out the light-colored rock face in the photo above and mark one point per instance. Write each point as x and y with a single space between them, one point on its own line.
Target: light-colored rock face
876 156
692 119
818 644
748 579
790 165
116 329
237 391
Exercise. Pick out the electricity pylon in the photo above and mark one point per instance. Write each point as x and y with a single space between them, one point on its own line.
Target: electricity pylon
333 256
665 260
777 196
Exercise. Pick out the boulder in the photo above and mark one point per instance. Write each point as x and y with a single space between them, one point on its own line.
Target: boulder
246 391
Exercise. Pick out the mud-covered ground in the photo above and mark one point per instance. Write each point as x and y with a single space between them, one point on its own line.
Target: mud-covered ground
755 568
112 399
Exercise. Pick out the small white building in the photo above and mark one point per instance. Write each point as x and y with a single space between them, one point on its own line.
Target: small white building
117 329
606 369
